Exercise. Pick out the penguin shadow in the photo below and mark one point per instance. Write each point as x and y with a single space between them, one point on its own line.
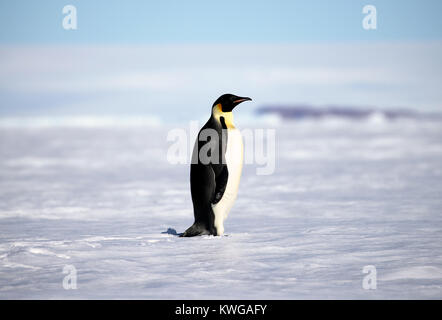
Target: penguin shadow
171 231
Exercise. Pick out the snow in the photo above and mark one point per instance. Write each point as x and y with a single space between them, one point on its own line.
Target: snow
344 195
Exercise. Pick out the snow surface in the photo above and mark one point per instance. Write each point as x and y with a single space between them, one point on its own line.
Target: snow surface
344 195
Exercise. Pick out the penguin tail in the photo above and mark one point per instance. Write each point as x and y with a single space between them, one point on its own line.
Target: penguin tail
196 229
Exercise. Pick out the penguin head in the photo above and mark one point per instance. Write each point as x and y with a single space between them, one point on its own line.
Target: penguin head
229 101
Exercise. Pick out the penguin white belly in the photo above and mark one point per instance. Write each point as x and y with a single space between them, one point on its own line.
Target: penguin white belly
234 162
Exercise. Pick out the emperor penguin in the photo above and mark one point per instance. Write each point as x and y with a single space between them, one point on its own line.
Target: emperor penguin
216 167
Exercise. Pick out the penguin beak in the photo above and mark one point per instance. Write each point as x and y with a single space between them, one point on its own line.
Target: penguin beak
241 99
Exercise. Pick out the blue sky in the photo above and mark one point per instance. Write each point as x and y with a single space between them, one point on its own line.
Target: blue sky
172 59
228 21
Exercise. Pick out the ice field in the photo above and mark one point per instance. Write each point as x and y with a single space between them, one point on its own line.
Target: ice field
345 194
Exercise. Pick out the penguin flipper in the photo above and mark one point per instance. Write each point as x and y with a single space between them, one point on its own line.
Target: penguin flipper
220 184
196 229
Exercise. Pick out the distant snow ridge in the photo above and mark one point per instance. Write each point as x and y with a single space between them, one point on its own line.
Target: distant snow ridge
298 112
87 121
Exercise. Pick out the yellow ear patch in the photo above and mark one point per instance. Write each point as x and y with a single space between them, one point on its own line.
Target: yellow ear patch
217 112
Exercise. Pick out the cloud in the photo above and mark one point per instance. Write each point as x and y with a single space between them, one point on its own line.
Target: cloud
125 78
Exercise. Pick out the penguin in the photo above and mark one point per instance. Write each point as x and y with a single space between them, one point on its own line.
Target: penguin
216 167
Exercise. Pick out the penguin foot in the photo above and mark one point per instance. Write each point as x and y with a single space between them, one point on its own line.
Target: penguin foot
196 229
